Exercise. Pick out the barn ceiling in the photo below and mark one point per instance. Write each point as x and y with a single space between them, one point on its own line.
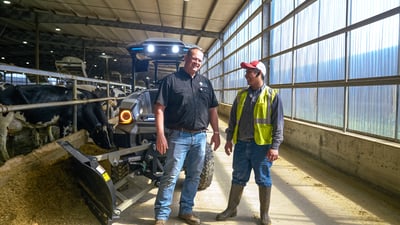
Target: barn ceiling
49 30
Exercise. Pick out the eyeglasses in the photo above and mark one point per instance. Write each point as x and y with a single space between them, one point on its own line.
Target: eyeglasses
252 71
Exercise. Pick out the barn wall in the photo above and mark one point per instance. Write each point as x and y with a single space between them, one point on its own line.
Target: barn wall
372 160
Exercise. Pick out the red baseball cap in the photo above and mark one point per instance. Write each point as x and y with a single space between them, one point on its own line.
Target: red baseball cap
254 65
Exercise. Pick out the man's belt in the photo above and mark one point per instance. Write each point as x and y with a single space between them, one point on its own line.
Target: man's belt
189 131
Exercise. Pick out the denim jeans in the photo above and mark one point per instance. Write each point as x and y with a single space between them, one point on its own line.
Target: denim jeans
248 156
184 150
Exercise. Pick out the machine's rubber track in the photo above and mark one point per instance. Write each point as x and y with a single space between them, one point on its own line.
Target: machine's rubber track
208 169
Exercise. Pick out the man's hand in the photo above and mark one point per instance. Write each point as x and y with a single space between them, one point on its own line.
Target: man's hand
215 139
161 144
272 155
228 147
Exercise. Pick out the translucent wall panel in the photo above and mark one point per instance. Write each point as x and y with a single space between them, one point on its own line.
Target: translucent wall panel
274 70
230 63
230 79
331 59
305 105
306 64
363 9
255 26
253 5
398 115
203 69
280 9
215 71
218 95
242 55
307 23
216 83
216 58
331 106
243 16
215 48
281 69
372 109
276 38
229 96
282 37
235 79
231 29
254 51
370 51
331 9
242 36
286 97
374 49
230 46
298 2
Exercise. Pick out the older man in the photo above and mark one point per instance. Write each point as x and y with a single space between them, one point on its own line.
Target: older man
185 106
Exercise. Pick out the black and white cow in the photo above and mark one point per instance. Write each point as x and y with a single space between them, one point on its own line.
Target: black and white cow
101 92
90 116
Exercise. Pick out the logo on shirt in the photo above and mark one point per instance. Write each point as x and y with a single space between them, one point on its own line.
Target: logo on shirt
202 86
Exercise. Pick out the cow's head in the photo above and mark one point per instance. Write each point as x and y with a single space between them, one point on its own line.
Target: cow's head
103 137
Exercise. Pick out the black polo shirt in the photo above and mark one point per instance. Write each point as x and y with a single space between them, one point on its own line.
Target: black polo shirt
187 100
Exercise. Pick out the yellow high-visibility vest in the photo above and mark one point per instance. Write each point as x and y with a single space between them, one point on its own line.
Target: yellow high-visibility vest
262 115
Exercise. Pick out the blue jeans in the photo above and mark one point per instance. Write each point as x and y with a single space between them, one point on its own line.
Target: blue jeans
248 156
184 150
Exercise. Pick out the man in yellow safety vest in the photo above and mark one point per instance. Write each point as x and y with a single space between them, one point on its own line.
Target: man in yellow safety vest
256 129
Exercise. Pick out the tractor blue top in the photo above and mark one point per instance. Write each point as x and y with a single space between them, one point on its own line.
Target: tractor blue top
162 50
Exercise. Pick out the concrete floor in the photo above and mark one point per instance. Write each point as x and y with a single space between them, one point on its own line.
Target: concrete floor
304 192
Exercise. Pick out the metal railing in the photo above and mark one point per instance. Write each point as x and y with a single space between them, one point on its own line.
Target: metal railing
65 77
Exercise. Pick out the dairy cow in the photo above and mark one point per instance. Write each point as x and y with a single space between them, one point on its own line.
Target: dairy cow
90 116
101 92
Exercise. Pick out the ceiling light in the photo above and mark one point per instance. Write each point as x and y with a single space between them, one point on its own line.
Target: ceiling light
105 56
7 2
58 29
3 58
24 42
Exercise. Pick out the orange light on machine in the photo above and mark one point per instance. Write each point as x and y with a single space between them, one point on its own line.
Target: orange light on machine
125 117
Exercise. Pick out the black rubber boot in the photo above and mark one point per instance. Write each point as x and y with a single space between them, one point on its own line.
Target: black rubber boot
234 198
265 197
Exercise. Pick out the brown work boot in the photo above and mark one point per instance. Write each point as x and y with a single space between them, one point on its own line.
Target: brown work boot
190 218
160 222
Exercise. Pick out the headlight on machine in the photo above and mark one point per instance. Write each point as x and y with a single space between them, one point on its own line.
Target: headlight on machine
151 48
125 117
175 49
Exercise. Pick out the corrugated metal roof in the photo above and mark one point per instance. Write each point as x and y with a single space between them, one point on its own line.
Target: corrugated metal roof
90 27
